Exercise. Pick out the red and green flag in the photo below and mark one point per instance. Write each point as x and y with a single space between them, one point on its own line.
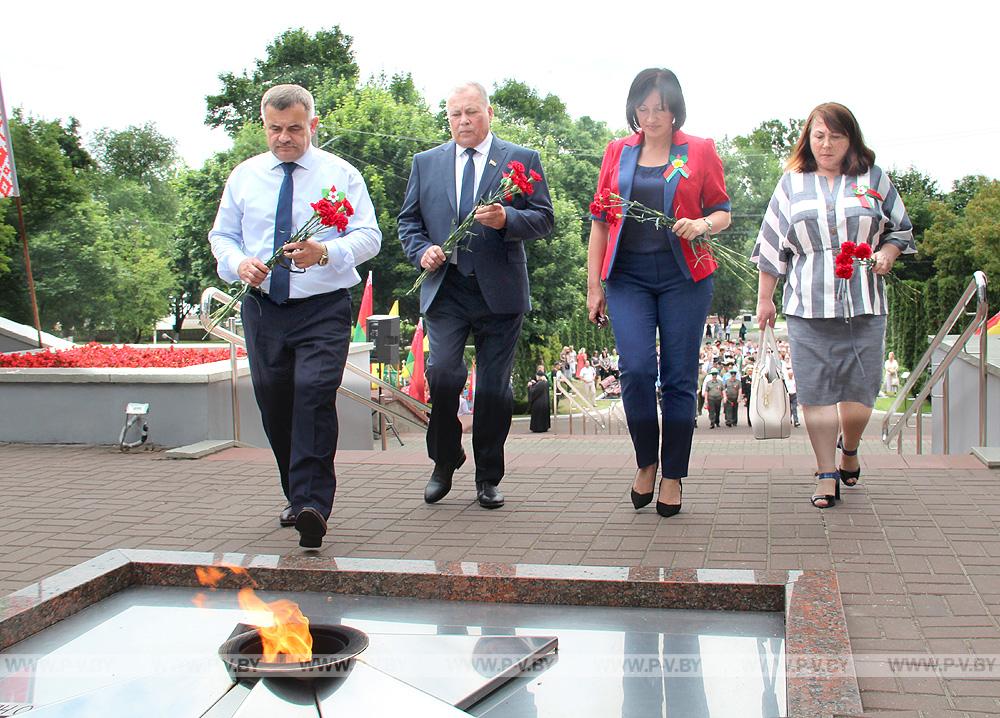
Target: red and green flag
361 328
415 364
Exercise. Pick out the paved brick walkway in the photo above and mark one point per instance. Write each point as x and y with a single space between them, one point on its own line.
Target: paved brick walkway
916 546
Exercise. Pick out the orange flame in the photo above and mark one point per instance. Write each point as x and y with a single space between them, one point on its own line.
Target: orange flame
209 576
284 630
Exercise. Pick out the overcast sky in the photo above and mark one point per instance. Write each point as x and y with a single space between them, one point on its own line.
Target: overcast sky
920 76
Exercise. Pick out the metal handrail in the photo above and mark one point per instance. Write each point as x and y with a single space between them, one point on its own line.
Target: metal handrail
418 414
585 407
890 430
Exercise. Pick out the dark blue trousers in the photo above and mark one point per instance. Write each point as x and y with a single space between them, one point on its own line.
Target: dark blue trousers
297 353
459 309
647 293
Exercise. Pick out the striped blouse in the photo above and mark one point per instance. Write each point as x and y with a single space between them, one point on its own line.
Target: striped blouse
803 228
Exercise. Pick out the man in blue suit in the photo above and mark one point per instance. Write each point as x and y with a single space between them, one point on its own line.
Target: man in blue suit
482 288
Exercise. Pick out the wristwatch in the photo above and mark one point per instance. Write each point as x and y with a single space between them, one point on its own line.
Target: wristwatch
325 259
707 221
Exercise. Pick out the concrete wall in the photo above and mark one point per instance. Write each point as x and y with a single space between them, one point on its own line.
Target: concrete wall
963 398
187 405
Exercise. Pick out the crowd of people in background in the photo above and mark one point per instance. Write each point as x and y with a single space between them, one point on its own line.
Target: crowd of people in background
725 374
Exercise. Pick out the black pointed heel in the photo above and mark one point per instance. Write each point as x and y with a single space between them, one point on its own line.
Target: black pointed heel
640 500
850 478
831 501
668 510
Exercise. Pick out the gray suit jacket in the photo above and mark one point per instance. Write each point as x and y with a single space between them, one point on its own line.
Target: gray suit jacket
429 214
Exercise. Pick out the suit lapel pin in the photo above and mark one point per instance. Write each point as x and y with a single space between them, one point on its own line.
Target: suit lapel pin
493 163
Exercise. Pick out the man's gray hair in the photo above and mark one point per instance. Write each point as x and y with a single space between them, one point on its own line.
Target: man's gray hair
472 86
281 97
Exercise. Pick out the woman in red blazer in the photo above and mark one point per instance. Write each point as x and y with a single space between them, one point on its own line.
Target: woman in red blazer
651 279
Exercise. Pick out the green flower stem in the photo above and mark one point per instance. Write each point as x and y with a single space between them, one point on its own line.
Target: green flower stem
506 188
307 231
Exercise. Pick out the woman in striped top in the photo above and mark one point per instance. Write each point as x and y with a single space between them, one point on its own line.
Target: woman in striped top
832 193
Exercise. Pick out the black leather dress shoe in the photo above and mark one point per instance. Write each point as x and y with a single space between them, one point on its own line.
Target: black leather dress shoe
488 495
311 527
440 482
287 517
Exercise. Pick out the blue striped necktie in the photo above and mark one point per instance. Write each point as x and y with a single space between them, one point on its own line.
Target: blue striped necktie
465 205
280 276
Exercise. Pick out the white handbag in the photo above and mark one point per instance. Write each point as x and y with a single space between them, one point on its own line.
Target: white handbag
770 410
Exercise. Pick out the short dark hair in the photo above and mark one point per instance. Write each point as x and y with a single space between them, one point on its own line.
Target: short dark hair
859 157
663 80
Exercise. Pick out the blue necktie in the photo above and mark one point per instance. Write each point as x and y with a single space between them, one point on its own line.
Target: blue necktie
465 205
280 275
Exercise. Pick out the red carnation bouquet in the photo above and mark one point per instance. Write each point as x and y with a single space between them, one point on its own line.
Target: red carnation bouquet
332 210
613 208
848 255
513 183
861 254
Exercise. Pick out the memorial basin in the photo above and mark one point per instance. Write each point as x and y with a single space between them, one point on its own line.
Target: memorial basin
133 631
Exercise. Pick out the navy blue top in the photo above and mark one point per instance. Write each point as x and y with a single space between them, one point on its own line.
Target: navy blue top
644 237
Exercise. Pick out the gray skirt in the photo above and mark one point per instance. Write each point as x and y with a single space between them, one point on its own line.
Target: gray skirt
836 360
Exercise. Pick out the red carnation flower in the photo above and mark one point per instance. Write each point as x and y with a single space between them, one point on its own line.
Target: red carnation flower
844 271
535 176
863 251
848 248
844 259
326 211
518 167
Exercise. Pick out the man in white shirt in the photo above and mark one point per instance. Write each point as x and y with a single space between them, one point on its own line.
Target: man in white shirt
297 315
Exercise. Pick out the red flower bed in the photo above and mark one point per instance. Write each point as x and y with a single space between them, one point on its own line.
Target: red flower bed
109 355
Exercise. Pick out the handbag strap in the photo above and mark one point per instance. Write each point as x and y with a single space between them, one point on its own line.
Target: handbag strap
770 356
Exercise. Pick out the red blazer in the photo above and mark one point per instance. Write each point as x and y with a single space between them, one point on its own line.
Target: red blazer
699 194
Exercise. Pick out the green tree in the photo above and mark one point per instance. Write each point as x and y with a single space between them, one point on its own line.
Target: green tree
295 57
75 266
142 273
918 192
753 164
51 164
133 180
139 153
515 101
964 189
378 128
982 227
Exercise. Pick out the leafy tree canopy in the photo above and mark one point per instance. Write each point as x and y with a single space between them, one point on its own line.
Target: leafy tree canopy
294 57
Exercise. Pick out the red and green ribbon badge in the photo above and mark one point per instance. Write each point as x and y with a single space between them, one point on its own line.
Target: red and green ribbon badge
679 163
863 192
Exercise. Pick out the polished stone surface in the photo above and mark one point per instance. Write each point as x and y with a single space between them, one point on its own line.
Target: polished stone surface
810 600
611 662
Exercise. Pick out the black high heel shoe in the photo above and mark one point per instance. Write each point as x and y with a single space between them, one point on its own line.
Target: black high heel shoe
668 510
831 501
640 500
850 478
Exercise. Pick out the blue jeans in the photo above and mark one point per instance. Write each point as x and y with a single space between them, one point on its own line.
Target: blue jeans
646 293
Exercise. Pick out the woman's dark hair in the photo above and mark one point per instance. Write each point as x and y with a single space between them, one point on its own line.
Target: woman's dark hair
665 82
859 157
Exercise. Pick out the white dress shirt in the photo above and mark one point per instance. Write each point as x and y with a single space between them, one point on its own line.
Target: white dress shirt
479 163
244 225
